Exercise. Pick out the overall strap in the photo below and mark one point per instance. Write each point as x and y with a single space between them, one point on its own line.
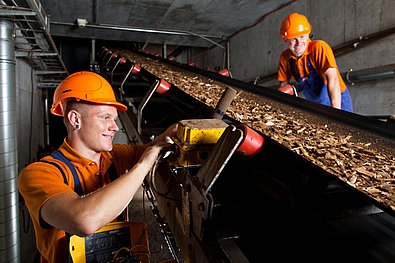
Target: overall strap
59 168
77 184
293 70
309 65
292 65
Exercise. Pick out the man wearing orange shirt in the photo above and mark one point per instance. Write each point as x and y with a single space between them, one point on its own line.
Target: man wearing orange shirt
89 182
312 65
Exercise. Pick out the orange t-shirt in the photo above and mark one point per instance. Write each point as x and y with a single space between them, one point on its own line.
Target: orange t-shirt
38 182
321 58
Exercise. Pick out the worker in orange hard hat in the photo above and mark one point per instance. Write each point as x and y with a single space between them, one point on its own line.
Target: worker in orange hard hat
89 181
86 86
311 64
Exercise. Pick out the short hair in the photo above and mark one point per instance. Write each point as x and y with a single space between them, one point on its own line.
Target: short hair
78 105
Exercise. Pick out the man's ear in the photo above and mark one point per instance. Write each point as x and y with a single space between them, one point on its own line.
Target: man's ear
74 117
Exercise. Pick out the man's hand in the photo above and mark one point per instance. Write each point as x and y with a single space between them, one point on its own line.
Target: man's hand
288 89
170 132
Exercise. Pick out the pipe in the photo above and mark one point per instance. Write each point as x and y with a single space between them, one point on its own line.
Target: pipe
361 41
9 219
164 53
93 54
382 72
224 103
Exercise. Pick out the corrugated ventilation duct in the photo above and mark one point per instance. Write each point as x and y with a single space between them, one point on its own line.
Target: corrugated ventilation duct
9 220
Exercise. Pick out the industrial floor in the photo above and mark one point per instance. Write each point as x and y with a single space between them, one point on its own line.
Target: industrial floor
140 211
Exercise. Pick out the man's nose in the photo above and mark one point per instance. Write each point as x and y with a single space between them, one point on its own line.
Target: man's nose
114 126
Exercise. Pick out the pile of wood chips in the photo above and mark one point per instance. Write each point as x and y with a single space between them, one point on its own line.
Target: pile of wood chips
360 164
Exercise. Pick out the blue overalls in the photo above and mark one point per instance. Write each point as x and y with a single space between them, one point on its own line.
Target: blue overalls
314 88
56 154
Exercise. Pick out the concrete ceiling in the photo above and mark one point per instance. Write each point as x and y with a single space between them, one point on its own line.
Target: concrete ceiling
197 23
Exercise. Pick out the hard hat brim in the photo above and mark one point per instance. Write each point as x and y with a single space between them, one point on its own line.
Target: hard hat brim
57 110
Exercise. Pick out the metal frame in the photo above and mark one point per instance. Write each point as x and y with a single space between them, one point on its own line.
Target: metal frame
34 43
143 103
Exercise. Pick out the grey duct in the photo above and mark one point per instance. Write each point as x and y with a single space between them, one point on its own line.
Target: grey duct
9 220
382 72
352 77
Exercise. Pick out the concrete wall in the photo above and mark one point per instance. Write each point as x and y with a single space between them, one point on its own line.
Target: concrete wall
255 51
30 129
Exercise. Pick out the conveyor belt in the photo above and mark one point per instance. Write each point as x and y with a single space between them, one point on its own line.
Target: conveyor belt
318 187
355 149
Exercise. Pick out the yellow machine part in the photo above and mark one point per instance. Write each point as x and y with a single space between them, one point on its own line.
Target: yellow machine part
200 131
195 138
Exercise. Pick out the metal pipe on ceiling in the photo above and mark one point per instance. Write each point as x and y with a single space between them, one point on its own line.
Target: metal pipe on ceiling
147 30
9 213
226 62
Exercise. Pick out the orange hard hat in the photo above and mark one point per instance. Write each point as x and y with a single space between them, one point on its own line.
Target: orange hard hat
295 25
86 86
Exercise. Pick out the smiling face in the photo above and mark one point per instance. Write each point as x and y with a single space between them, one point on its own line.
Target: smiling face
298 45
98 127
